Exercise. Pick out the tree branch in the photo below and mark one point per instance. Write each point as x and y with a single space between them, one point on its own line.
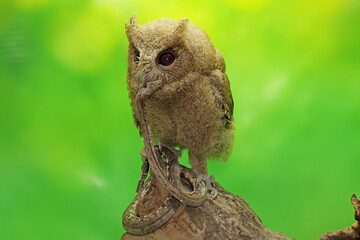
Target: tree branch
156 213
226 217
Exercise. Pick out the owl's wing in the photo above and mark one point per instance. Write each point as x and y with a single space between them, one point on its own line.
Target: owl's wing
221 90
133 88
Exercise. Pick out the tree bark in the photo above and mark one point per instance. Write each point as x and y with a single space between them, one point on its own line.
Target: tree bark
350 233
226 217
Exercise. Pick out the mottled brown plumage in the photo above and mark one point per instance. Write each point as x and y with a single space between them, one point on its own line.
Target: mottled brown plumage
193 107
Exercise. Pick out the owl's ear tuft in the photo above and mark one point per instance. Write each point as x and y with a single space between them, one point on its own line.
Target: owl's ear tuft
181 26
132 26
133 21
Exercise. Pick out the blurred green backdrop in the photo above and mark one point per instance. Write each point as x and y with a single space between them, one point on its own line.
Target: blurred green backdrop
69 153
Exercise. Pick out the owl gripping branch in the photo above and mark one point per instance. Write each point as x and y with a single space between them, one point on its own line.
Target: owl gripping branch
194 198
178 89
167 171
192 106
180 96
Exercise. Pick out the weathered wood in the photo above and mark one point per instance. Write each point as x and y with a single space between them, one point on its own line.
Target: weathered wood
226 217
350 233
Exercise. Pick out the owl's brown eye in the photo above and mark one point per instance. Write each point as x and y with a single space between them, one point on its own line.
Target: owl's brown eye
166 58
136 56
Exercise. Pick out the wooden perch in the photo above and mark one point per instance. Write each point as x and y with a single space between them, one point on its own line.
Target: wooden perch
350 233
226 217
157 214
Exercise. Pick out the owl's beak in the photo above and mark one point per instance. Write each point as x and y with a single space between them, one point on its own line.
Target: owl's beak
145 62
146 65
147 77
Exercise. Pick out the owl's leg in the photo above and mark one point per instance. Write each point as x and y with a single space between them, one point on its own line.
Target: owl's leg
199 166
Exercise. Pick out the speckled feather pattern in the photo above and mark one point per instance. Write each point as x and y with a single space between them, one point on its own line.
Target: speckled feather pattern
193 109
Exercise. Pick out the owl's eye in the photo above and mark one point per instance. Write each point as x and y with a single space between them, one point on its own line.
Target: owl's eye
166 58
136 56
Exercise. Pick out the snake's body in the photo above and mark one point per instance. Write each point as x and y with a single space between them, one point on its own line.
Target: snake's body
132 222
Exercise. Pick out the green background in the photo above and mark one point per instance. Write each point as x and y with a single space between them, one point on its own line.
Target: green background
69 153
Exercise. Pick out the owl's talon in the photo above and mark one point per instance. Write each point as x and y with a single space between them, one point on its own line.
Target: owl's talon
209 182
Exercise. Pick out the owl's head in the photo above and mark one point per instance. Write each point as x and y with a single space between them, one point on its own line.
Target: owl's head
168 49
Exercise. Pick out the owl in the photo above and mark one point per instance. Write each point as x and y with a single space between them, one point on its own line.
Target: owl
193 106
